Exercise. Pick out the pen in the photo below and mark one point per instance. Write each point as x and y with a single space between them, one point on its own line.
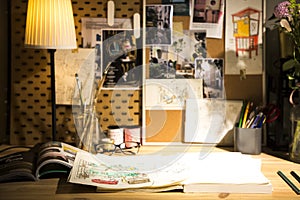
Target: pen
292 186
262 121
250 122
296 176
257 120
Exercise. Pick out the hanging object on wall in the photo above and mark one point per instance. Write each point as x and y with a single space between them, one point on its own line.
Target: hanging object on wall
110 13
136 25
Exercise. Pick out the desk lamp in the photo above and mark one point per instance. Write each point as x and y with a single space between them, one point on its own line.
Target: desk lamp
50 25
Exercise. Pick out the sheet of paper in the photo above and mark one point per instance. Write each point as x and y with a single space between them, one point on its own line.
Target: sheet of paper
67 64
209 120
227 168
123 172
171 93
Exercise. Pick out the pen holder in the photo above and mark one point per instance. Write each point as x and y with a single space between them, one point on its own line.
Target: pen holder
247 140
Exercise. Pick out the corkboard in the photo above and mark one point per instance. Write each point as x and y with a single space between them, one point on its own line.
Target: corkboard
164 126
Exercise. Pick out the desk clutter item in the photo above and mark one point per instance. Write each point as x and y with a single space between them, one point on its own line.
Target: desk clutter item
248 140
209 120
189 173
289 182
248 131
116 134
46 160
255 116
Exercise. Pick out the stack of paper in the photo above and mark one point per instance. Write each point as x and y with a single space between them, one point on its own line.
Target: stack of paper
227 173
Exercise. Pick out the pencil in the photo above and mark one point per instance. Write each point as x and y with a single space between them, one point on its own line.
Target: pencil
242 115
246 115
292 186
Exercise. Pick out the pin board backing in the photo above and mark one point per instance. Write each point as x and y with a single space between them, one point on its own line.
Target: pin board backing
119 107
235 88
30 109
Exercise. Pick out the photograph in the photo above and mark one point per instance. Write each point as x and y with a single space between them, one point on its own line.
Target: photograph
181 7
208 15
198 44
206 11
91 30
159 24
210 70
120 61
161 65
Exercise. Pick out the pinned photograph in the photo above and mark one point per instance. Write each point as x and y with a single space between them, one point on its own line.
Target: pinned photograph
159 24
209 15
120 60
181 7
211 70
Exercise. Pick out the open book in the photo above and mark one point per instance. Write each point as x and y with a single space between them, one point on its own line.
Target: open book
41 161
222 172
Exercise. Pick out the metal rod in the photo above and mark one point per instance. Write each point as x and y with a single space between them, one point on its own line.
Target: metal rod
53 90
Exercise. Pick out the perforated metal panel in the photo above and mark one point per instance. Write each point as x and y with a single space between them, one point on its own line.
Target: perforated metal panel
119 107
30 81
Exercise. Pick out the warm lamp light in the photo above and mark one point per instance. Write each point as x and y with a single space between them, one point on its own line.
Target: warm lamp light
50 25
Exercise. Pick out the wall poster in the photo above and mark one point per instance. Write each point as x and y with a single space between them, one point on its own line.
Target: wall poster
243 39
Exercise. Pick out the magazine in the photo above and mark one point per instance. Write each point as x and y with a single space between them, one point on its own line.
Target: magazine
51 159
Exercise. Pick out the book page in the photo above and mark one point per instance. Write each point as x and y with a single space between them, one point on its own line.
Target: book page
127 172
55 157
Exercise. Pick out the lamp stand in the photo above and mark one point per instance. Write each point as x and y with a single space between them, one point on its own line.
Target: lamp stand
53 90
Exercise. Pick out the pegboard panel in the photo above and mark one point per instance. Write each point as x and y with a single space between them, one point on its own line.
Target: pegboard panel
30 119
119 107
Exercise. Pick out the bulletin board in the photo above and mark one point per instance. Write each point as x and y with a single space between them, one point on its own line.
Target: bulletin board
30 106
236 88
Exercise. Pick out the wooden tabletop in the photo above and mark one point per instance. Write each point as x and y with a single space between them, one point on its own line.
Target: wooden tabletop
59 188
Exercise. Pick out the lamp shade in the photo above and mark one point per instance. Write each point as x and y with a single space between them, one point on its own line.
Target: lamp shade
50 25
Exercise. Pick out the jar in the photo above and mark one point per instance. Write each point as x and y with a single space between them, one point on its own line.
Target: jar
294 147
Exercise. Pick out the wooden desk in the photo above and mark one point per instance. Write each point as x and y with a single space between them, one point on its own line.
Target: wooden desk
59 189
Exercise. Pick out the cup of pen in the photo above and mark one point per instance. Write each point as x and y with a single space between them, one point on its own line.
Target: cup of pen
247 140
248 131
